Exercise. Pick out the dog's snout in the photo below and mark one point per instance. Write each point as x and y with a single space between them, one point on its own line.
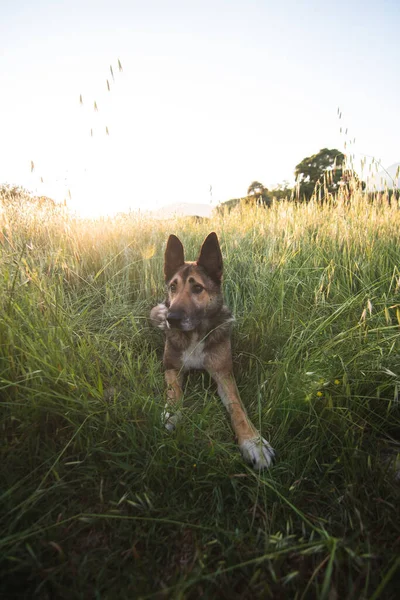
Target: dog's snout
174 318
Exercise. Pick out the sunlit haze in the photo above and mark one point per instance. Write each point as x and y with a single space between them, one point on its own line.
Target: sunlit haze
212 95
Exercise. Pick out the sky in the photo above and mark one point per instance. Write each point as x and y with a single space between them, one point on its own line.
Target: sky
212 95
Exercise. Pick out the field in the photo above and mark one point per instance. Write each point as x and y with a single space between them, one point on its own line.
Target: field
99 501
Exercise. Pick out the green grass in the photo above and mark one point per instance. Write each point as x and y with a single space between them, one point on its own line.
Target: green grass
99 501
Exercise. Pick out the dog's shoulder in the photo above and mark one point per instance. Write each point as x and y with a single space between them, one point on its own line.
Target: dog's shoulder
220 327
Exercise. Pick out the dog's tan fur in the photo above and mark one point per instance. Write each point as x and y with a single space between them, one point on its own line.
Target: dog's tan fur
197 325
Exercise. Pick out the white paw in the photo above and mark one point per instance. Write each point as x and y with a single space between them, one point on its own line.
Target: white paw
169 420
158 316
258 452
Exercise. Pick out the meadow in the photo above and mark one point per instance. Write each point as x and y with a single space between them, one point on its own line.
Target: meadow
98 500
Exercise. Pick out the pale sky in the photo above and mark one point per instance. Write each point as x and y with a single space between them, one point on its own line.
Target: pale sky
212 93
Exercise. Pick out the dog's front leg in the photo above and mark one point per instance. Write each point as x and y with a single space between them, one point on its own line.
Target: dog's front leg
173 379
254 448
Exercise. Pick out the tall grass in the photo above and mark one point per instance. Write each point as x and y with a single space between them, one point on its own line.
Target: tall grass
99 501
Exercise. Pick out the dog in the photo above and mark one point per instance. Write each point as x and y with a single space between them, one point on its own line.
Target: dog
197 325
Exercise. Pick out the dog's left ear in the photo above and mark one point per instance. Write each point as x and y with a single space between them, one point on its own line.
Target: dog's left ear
210 257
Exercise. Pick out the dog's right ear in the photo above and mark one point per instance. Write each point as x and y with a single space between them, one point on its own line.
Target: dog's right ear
174 257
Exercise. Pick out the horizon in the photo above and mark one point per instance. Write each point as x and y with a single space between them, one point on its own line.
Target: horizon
208 100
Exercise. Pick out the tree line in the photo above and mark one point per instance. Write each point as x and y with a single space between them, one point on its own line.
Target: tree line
320 175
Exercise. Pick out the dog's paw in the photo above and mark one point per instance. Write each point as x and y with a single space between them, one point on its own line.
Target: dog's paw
258 452
158 316
169 420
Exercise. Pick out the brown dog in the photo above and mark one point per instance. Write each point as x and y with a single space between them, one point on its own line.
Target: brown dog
198 326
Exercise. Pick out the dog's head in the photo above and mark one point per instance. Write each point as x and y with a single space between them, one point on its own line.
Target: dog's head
194 288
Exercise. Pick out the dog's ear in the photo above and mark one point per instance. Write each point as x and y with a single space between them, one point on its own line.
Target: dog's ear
174 257
210 257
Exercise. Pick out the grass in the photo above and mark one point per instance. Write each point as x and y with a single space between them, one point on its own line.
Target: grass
99 501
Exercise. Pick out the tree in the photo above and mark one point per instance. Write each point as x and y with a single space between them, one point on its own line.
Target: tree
282 191
257 191
322 171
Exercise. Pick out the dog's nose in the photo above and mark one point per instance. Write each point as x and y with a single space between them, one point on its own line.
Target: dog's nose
174 318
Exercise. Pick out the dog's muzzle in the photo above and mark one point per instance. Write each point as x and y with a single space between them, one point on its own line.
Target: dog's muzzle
175 318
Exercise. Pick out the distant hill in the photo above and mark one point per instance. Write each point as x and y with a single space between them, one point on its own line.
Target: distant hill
183 209
389 178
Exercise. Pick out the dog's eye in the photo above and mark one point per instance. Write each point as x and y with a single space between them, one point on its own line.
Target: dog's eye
172 288
197 289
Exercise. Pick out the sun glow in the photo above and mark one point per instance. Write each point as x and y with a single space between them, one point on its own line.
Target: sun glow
103 158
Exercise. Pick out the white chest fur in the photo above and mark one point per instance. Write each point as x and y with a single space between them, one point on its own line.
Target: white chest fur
193 356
